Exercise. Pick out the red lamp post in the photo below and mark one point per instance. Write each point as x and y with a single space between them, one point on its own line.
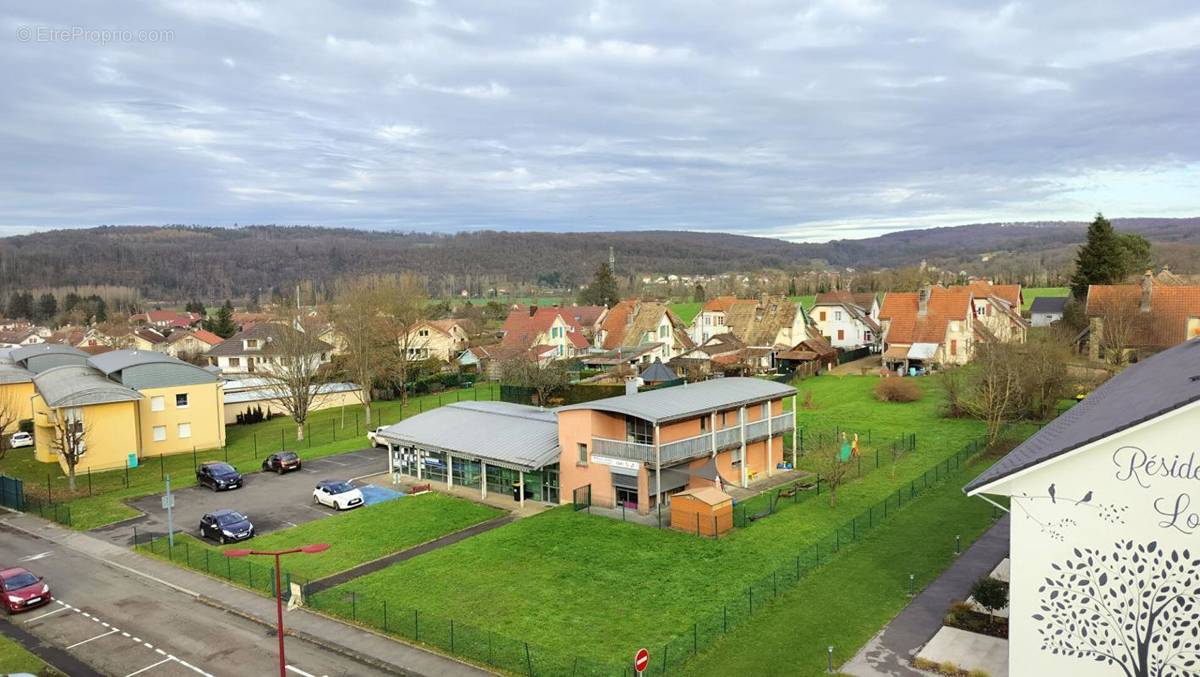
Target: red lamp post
309 549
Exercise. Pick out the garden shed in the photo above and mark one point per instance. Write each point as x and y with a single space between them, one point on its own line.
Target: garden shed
705 511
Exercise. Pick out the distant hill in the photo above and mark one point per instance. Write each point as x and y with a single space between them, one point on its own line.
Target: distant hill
214 263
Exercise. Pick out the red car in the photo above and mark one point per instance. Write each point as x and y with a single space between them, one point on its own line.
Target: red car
22 590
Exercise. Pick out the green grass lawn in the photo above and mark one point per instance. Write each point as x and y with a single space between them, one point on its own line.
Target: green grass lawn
807 299
100 501
357 536
686 311
14 658
848 599
556 578
1031 293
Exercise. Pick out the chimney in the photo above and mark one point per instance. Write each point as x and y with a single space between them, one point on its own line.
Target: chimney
532 311
631 385
923 300
1147 289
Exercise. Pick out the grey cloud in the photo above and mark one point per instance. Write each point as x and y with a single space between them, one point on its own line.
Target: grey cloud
807 120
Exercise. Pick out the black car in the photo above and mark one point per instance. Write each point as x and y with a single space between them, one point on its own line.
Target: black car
218 476
226 526
282 461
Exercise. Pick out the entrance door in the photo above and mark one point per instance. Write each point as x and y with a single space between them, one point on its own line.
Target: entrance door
550 484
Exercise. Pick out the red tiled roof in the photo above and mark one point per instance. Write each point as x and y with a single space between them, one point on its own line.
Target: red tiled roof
719 304
578 340
863 300
521 329
585 316
908 326
985 288
1164 325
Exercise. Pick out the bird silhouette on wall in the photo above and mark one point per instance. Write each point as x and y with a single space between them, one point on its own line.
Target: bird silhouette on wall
1086 497
1051 492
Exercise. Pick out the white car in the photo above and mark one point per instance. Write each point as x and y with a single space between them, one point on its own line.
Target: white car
373 436
19 440
337 494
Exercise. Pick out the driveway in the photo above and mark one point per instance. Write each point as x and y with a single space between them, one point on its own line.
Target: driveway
271 501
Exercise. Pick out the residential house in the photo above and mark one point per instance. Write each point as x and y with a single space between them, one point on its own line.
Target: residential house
484 359
147 339
1046 310
930 327
23 336
127 404
1142 318
631 324
635 450
253 351
191 342
998 310
548 333
710 321
1102 540
587 318
809 356
442 340
657 373
847 320
166 320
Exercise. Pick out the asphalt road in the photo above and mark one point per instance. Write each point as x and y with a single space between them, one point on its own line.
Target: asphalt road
271 501
123 624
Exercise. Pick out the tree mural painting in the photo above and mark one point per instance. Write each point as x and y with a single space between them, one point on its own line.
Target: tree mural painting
1134 607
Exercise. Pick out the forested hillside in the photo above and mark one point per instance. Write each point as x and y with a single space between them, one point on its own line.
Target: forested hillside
181 262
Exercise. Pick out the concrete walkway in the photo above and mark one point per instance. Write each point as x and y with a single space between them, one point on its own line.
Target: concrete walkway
890 651
375 565
364 645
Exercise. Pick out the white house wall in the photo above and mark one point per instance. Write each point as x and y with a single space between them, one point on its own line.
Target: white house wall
1072 516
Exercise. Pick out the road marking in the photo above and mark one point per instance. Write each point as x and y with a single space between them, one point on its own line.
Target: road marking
85 614
88 640
161 652
337 462
148 645
300 672
373 474
49 613
290 524
192 667
31 558
152 665
316 510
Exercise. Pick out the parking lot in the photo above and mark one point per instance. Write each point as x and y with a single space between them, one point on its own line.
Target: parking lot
271 501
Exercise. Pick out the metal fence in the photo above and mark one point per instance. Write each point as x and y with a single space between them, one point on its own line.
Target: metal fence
12 493
845 356
241 571
581 497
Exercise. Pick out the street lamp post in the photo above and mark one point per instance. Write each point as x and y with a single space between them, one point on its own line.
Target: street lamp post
308 549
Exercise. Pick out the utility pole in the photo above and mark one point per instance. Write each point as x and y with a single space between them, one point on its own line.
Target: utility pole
168 502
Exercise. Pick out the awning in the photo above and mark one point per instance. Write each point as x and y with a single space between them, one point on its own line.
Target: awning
922 351
672 478
896 353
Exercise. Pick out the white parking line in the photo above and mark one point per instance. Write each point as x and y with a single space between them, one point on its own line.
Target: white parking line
329 460
89 640
152 665
300 672
48 613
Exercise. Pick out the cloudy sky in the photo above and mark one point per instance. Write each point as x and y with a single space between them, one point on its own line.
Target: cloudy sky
806 120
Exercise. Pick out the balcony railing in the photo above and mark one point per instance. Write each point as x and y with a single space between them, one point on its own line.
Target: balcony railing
692 447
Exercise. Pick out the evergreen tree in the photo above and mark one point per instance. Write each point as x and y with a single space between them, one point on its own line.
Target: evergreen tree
222 324
1135 254
791 286
47 308
19 306
70 301
603 289
1101 260
698 293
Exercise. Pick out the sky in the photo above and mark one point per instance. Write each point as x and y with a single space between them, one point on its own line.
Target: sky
801 120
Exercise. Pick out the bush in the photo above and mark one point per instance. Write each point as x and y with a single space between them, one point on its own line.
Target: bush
25 425
897 390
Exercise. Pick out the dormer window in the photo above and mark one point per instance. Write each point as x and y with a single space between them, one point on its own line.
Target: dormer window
251 344
422 333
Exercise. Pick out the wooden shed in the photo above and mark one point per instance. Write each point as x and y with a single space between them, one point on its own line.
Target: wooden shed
705 511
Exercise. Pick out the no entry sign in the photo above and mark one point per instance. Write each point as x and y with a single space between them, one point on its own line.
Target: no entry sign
640 660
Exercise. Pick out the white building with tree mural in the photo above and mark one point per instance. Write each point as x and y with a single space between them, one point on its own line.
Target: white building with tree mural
1105 541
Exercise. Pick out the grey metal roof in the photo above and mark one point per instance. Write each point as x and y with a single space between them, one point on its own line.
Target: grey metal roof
658 372
149 369
75 385
11 372
510 435
1144 391
1048 304
691 399
43 356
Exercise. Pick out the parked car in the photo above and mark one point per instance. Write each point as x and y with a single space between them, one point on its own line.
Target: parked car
218 475
19 440
337 494
23 590
282 461
375 438
226 526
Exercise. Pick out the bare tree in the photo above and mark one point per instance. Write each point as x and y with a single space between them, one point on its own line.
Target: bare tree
407 309
362 314
294 370
1044 372
70 439
994 395
545 380
830 468
1117 321
10 412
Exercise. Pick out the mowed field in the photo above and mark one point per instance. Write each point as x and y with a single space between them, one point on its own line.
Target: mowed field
1031 293
688 311
598 588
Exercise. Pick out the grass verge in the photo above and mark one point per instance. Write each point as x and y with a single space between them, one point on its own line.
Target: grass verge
14 658
356 537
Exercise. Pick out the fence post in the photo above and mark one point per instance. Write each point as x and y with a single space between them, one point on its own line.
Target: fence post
724 619
255 434
353 606
695 638
126 472
90 480
49 493
162 473
528 660
385 623
750 593
451 635
416 625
